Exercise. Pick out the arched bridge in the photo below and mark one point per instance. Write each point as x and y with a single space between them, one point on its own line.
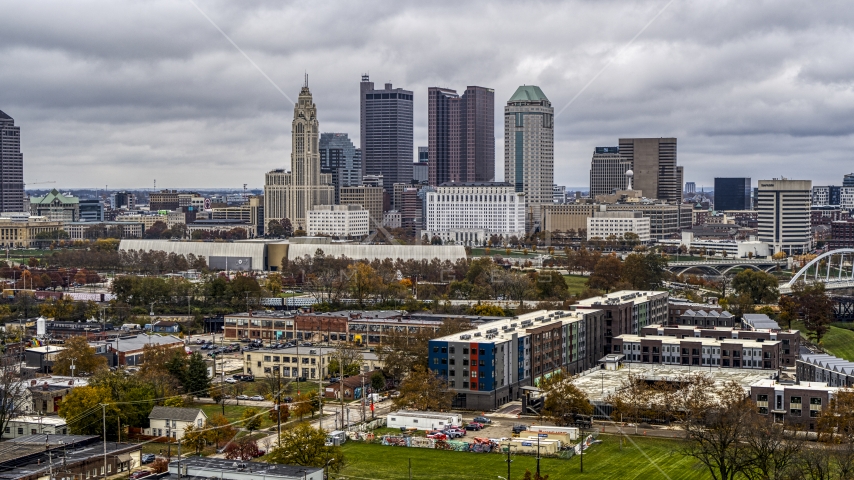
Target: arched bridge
724 266
835 269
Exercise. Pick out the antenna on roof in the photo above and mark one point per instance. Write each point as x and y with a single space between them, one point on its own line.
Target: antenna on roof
306 80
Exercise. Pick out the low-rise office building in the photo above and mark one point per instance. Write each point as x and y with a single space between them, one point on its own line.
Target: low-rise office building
26 232
348 221
25 425
94 230
605 224
35 457
310 363
488 366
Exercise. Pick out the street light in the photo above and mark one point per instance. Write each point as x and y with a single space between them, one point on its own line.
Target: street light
326 468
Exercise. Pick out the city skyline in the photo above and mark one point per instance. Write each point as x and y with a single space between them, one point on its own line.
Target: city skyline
133 103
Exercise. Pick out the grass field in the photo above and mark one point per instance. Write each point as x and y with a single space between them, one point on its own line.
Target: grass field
838 341
575 283
602 461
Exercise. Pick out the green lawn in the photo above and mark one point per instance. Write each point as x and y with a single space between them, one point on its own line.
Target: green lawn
602 461
234 412
838 341
575 283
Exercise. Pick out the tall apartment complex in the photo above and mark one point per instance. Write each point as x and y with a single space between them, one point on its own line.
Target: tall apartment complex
291 194
470 213
461 135
386 132
11 166
342 160
529 149
784 215
732 194
653 161
607 171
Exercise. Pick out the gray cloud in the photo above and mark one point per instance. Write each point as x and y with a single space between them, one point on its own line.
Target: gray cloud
121 93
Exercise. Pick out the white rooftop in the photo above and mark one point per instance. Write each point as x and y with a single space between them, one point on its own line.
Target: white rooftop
674 340
501 330
617 298
44 420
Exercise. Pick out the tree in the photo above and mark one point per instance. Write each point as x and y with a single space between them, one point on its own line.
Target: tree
760 286
244 448
377 381
83 405
363 281
219 429
274 229
487 310
305 404
348 355
86 361
196 379
194 438
550 285
534 476
305 445
424 390
251 419
280 414
287 228
606 273
788 310
563 400
718 431
12 390
773 450
644 272
816 308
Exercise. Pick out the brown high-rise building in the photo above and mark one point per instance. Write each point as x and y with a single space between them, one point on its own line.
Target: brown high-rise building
653 161
461 135
11 166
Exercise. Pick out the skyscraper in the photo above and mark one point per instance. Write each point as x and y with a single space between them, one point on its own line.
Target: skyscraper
386 129
732 194
291 194
11 166
420 169
653 161
607 171
848 180
784 215
529 149
461 135
342 160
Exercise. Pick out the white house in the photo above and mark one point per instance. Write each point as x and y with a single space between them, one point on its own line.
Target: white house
171 421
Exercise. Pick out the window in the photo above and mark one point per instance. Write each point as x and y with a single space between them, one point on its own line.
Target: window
451 350
465 361
465 351
444 350
266 358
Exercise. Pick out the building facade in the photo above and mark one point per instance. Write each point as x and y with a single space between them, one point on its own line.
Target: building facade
91 210
163 200
627 312
732 194
309 363
16 233
172 422
470 213
11 166
370 198
784 215
529 149
489 365
338 221
605 224
291 194
386 131
607 171
461 135
700 351
654 163
798 404
341 159
56 207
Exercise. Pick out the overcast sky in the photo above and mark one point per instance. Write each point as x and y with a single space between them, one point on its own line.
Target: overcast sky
120 93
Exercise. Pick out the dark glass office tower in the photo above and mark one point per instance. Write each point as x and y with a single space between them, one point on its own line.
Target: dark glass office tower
340 158
732 194
386 129
461 135
11 166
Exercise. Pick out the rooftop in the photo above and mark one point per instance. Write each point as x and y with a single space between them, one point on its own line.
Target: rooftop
769 382
530 93
317 349
138 342
174 413
54 195
206 468
27 457
4 116
760 321
598 384
619 298
42 420
674 340
475 184
503 329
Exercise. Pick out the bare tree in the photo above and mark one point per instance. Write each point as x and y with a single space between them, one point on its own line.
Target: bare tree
12 390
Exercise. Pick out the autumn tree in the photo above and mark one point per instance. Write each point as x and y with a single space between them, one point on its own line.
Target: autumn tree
815 307
563 400
363 281
251 419
280 413
606 274
78 351
219 429
306 446
244 448
346 358
305 404
194 438
12 390
644 271
423 390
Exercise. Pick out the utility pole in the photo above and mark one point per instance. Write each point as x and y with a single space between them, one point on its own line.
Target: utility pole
104 414
508 460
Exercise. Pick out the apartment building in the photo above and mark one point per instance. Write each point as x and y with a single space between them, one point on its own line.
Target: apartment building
700 351
488 366
792 404
627 311
309 363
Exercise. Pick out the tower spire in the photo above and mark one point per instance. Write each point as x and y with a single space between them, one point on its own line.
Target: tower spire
306 80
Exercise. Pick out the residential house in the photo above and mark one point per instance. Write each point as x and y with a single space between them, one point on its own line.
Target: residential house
172 421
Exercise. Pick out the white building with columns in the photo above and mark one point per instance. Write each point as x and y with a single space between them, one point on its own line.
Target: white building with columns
470 213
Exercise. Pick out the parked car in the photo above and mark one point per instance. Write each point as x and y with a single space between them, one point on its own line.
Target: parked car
230 380
243 397
474 427
257 398
288 399
437 436
455 432
140 474
147 458
483 420
517 429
